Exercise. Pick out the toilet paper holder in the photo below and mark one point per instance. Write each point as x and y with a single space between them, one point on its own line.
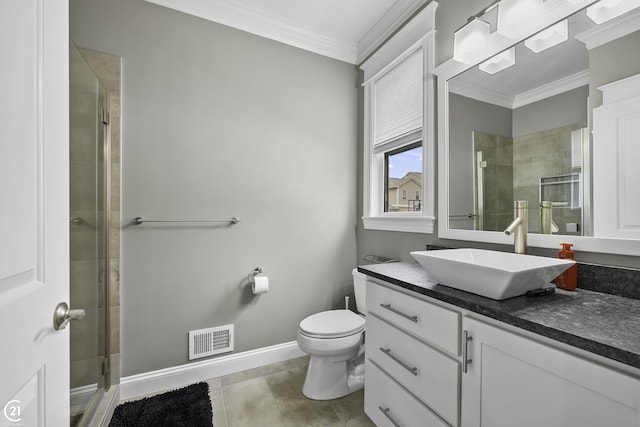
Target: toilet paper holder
253 274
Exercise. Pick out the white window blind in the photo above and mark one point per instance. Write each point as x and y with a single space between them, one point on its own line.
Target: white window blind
399 100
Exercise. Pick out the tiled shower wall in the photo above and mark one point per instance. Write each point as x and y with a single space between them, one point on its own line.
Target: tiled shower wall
513 171
543 154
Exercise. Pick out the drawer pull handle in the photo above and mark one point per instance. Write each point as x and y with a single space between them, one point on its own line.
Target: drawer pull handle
386 413
387 351
398 312
465 351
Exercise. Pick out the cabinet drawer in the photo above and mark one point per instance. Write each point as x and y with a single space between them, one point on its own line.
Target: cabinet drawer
383 398
431 322
427 373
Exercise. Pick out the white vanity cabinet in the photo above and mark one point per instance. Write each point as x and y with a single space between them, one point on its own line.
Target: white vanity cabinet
412 356
515 381
434 364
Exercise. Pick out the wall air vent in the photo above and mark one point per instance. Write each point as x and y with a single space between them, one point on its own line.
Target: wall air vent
207 342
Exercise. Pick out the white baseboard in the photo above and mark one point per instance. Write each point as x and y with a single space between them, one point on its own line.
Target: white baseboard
183 375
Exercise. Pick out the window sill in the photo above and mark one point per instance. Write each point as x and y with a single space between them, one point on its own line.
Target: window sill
404 223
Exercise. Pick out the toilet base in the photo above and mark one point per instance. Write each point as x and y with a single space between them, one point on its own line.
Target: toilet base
328 380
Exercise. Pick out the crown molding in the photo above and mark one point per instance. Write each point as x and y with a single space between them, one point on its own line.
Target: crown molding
554 88
413 34
390 22
481 94
542 92
255 22
612 30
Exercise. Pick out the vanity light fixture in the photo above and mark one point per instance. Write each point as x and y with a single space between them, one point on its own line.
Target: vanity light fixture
470 41
549 37
605 10
499 62
518 17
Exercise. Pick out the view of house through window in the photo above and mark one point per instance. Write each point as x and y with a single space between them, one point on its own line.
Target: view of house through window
403 175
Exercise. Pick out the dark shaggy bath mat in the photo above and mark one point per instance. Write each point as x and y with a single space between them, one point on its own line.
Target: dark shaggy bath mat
189 407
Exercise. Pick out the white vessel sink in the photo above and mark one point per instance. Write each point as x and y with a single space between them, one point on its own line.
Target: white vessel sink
496 275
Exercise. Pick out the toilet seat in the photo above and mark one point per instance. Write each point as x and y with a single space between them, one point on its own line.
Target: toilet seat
332 324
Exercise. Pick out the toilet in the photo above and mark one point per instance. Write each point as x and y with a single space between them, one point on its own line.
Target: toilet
334 340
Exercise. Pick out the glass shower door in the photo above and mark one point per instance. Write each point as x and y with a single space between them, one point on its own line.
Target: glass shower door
88 238
493 181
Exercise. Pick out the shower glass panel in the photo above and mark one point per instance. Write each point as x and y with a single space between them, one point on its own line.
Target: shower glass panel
493 179
544 166
88 192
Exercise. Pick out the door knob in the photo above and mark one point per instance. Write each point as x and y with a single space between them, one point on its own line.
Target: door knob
63 315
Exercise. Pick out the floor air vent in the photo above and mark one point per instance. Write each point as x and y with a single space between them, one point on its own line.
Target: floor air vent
207 342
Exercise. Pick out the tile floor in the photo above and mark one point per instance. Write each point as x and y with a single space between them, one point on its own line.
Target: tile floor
271 396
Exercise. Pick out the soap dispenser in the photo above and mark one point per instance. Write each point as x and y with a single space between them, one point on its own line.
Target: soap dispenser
569 279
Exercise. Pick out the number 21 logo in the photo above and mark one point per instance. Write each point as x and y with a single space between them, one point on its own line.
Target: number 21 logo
12 411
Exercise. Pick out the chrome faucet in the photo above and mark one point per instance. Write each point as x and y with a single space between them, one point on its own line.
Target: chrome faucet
547 226
519 226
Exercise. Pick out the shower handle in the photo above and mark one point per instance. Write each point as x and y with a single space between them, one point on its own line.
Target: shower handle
62 315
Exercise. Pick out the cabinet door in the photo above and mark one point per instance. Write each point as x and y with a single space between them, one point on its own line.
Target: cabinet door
515 381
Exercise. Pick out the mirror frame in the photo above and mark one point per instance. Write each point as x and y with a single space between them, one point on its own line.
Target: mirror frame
556 10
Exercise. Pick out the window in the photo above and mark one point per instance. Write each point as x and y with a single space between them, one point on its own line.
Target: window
398 186
403 172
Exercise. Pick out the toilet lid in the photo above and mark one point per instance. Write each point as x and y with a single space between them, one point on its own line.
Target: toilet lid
332 323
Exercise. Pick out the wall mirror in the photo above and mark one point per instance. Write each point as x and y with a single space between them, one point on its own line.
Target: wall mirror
516 125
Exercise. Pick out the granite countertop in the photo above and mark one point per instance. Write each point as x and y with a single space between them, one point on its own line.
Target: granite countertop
600 323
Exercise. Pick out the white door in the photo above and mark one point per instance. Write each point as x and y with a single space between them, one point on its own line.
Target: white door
34 213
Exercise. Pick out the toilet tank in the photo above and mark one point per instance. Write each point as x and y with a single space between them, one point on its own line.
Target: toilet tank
360 288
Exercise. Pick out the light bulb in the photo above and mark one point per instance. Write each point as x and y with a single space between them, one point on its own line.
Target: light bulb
470 42
605 10
518 17
550 37
499 62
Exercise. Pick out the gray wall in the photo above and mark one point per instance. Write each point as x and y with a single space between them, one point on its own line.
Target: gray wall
624 53
451 15
219 123
567 108
470 115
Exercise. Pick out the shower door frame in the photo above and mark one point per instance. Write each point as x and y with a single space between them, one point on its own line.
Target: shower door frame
103 197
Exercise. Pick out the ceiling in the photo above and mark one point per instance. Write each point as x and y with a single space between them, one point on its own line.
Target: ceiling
347 30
